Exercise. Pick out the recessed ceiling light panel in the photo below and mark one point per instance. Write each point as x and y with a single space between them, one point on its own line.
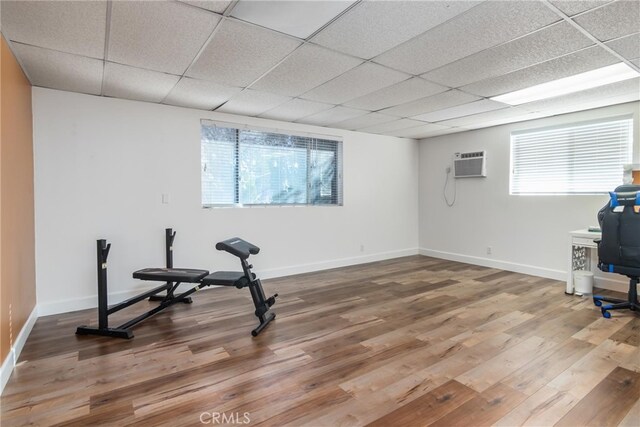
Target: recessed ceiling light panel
576 83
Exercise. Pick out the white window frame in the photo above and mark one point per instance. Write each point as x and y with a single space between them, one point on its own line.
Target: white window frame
564 192
242 127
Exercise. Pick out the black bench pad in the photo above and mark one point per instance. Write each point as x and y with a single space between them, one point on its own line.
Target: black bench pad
183 275
238 247
225 278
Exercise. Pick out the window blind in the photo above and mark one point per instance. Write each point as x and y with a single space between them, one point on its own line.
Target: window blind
253 167
585 158
219 165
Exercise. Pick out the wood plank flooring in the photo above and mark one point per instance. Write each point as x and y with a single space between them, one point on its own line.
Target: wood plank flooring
414 341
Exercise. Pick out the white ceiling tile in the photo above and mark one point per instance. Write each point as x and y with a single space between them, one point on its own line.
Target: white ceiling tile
364 121
359 81
613 20
553 41
296 18
58 70
636 62
434 133
461 110
390 127
156 35
628 47
484 26
564 66
304 69
216 6
573 7
334 115
505 120
373 27
420 131
485 117
597 103
624 88
432 103
200 94
252 103
68 26
240 53
399 93
295 109
122 81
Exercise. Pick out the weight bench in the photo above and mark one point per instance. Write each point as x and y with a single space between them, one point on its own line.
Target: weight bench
173 277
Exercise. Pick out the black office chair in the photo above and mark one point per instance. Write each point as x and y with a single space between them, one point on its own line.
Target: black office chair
619 247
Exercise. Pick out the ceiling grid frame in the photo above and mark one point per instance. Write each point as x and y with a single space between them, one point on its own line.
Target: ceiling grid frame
308 41
480 51
304 42
107 31
226 15
204 45
577 26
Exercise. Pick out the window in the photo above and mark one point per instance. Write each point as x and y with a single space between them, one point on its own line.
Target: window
583 158
252 167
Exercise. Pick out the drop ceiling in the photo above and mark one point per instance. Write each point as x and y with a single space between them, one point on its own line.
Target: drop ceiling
410 69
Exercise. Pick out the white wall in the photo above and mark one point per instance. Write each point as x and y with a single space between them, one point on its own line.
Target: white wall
526 233
102 164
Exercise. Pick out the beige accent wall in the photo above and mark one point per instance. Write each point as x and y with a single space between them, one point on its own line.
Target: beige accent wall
17 233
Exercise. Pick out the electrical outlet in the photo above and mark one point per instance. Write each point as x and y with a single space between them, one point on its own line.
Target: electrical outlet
361 248
489 250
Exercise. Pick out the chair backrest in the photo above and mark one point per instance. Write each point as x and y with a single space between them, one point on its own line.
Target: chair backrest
620 224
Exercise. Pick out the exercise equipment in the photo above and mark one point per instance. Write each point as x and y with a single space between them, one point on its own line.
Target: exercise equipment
619 248
174 277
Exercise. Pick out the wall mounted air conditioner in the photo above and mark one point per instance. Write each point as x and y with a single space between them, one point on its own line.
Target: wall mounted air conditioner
470 165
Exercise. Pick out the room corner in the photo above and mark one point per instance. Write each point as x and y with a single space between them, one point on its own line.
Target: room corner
17 230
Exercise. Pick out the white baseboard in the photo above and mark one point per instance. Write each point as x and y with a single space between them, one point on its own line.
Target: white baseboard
335 263
602 280
14 353
494 263
83 303
6 369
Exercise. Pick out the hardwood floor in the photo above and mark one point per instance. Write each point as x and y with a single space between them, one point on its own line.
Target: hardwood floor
414 341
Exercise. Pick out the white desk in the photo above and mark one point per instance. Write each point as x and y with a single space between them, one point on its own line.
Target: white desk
585 239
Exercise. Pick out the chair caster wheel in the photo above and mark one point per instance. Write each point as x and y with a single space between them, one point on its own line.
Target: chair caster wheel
597 302
606 314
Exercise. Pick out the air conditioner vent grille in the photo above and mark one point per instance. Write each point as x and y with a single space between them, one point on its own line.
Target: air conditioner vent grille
470 165
470 155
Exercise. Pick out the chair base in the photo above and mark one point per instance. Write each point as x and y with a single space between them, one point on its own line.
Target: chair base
618 304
